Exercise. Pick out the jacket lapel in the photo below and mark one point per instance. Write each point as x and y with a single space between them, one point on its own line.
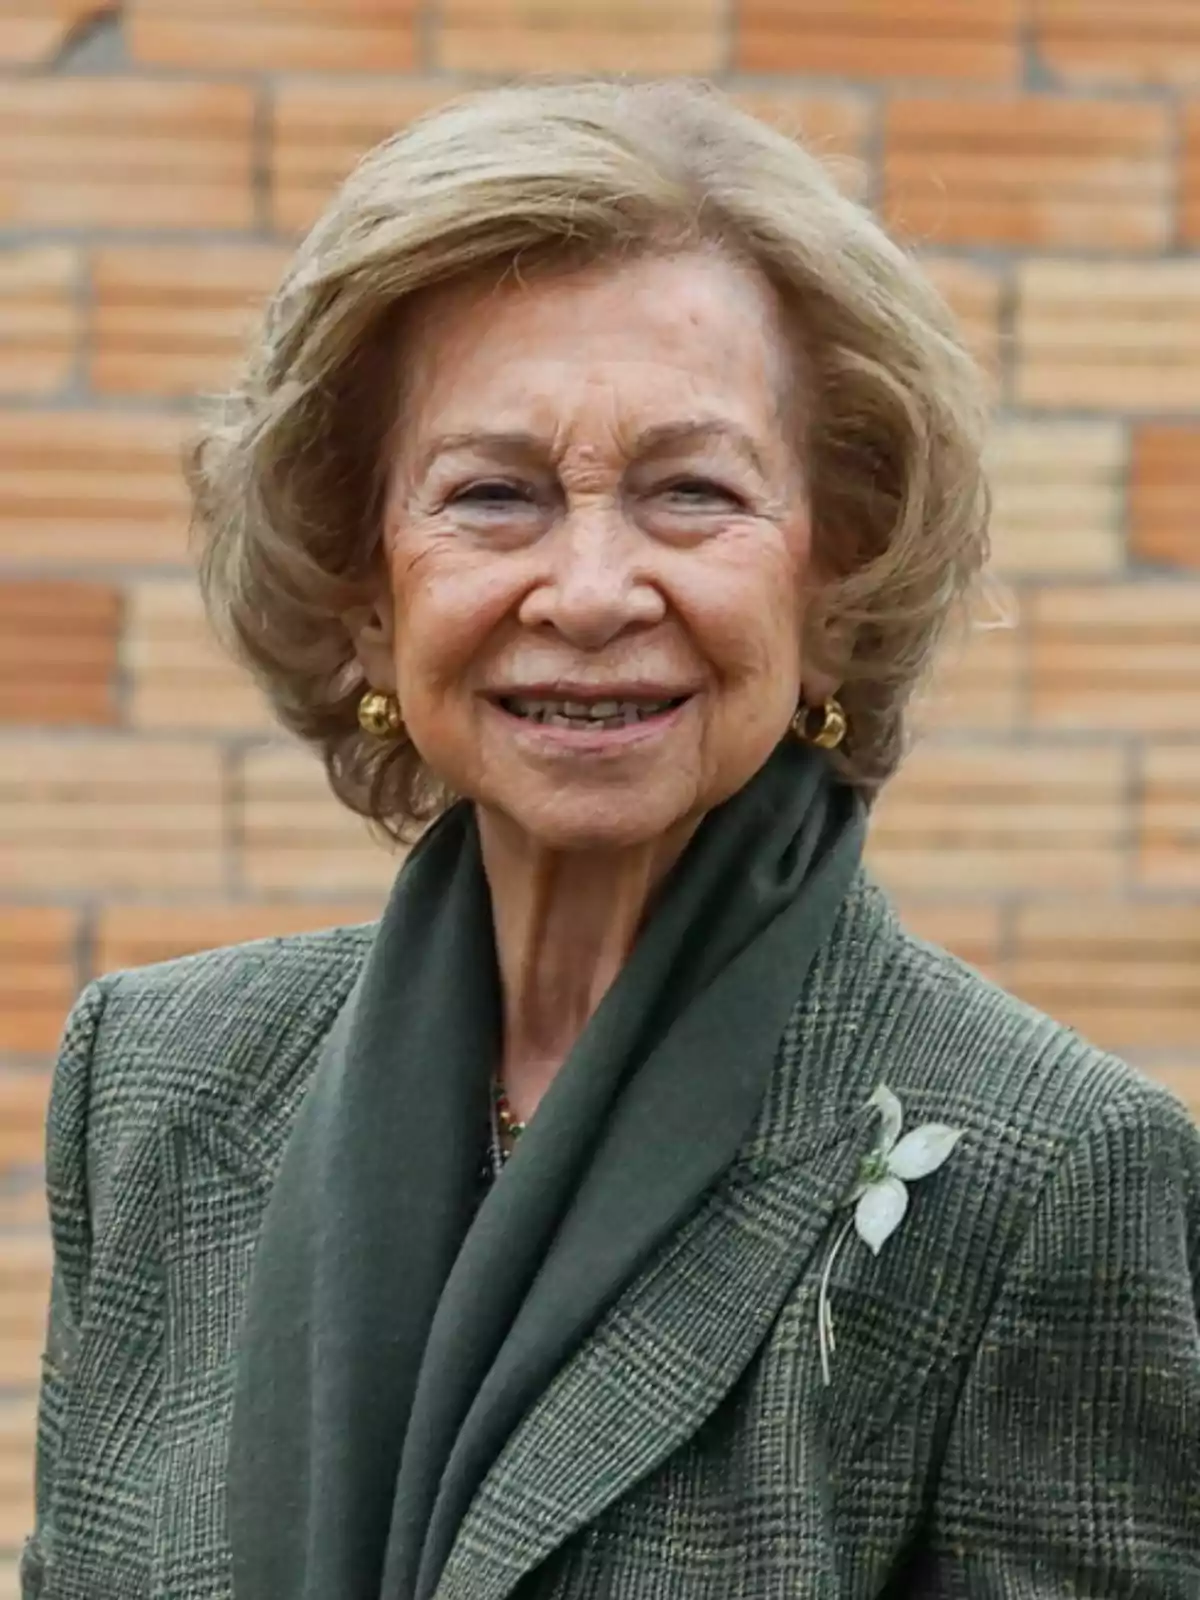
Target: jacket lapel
660 1362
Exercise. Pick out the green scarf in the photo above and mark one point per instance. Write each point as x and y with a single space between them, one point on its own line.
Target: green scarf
396 1331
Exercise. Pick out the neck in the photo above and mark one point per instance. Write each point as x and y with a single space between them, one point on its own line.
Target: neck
565 921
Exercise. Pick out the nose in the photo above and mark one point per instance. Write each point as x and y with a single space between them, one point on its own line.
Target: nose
595 586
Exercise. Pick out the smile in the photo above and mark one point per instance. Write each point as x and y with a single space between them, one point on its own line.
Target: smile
588 715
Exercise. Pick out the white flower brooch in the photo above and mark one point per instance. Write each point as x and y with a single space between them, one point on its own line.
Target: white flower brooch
880 1197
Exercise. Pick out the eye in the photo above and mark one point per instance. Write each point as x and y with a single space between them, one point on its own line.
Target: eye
491 492
699 493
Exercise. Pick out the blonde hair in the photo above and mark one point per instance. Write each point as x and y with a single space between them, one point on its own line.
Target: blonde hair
287 471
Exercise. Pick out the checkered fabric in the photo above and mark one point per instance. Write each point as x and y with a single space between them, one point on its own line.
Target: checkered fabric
1014 1411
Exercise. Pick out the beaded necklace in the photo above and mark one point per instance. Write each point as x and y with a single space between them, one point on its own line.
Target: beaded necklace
506 1129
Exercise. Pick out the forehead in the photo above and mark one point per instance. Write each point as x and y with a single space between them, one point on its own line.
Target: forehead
642 338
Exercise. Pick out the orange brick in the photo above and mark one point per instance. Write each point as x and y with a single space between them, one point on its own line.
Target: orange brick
973 294
1123 974
1097 41
297 839
34 31
967 819
274 35
16 1512
1164 494
16 1516
1124 657
18 1429
24 1274
24 1208
979 682
58 652
15 1480
39 323
181 679
971 932
172 321
1190 174
134 936
110 152
23 1096
507 36
1169 854
91 488
1031 170
16 1509
880 39
24 1292
833 127
319 130
1105 335
25 1265
37 976
1059 497
119 814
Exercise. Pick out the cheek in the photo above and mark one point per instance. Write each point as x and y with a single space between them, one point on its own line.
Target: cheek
448 604
750 602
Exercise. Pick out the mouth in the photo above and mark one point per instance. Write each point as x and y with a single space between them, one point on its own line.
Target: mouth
596 715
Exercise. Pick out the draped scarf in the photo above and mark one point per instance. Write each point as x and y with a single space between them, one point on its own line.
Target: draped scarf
396 1330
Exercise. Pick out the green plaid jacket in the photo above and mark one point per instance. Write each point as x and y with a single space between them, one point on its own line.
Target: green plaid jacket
1015 1399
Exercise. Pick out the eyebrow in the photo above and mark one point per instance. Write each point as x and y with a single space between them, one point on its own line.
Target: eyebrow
656 440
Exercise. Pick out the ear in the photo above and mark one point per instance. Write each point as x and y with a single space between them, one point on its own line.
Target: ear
817 687
828 646
372 631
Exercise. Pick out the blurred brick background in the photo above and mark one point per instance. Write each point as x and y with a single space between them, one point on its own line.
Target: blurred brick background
157 159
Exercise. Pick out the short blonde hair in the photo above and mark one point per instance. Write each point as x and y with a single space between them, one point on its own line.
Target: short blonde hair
288 470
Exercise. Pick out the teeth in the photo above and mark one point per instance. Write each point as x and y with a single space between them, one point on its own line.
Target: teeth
571 713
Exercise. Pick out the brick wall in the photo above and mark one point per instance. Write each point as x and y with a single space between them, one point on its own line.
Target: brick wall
156 160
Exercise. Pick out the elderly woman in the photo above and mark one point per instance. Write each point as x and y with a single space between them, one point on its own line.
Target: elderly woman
636 1210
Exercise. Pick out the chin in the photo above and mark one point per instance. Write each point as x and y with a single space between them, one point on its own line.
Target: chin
593 823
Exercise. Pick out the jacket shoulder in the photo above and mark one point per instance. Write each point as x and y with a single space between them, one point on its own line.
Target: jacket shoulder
960 1046
230 1031
1045 1120
1007 1060
291 962
244 999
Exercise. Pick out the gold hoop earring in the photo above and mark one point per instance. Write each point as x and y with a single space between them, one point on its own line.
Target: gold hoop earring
379 715
832 729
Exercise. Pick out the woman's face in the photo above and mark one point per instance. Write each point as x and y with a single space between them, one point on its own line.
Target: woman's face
597 545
